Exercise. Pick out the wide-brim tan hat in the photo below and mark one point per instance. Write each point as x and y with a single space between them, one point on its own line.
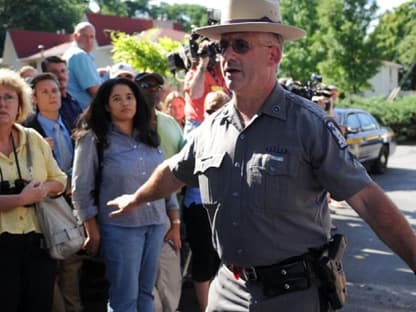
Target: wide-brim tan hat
251 16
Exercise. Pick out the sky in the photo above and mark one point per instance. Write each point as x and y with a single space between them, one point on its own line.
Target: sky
383 4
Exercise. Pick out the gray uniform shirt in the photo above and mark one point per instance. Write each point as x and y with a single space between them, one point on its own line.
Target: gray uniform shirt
265 186
127 164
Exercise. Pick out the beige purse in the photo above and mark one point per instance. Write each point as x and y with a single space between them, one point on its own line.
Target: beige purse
63 231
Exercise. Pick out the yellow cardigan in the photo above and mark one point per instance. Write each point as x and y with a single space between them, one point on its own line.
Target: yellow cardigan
22 219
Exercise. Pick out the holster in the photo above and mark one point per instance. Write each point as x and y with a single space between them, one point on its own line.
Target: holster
331 273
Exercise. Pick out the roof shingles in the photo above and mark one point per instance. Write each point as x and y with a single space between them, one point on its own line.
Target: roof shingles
27 43
107 23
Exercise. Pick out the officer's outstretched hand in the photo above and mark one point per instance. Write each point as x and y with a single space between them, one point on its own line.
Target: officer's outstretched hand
124 204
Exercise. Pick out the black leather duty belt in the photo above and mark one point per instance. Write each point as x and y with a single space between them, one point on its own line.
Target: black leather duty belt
293 274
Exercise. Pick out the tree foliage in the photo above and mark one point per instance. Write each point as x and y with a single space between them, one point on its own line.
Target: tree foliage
395 37
301 57
40 15
338 44
54 15
188 15
399 115
142 53
351 59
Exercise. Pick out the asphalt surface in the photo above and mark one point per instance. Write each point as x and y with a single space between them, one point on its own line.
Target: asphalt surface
378 280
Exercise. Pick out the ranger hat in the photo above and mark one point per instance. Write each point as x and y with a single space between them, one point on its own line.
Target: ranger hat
251 16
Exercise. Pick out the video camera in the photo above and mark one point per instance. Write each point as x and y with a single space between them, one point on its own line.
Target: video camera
306 89
309 89
182 59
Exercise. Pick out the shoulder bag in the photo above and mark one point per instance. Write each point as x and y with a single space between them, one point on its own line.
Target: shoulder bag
63 231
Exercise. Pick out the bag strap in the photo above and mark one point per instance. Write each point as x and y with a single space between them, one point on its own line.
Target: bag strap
28 154
100 154
19 172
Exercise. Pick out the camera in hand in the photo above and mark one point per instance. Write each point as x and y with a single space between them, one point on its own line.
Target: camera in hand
309 89
306 89
210 50
182 59
7 189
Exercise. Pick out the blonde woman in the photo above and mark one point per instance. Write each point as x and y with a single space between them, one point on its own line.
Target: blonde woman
26 269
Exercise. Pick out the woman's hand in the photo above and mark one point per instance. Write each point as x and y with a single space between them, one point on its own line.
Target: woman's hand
33 192
173 237
92 242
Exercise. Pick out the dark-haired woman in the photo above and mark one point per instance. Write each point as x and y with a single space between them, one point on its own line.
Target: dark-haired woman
117 145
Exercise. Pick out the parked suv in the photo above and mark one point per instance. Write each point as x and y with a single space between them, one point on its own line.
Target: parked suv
367 139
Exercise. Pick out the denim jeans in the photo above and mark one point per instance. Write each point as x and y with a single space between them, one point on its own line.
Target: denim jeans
131 256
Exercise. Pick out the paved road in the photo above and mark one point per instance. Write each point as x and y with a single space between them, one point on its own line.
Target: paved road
378 281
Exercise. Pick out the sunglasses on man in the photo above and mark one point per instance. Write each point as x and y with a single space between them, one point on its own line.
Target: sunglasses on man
239 46
149 86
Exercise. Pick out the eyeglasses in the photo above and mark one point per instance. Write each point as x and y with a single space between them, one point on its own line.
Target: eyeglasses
240 46
8 98
147 85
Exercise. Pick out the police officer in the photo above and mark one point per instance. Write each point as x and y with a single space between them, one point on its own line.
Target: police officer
264 165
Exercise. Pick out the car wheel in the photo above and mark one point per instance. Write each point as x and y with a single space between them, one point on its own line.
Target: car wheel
380 164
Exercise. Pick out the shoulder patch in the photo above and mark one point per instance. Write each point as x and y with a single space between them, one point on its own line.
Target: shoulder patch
336 133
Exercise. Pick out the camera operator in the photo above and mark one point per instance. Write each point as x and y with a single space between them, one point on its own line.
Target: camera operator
203 77
324 101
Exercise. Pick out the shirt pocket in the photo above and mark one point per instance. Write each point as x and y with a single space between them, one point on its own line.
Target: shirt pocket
270 178
208 169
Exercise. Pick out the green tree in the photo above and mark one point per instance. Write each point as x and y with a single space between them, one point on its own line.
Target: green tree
113 7
188 15
40 15
138 8
301 57
395 36
351 56
142 53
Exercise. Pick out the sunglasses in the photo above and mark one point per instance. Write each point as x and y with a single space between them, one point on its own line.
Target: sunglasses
239 46
147 85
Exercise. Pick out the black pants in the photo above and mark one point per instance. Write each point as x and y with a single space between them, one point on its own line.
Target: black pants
205 260
27 274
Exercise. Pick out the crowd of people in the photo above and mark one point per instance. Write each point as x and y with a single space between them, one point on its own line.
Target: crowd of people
246 165
99 126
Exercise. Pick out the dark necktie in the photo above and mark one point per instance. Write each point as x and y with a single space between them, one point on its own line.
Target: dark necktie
65 155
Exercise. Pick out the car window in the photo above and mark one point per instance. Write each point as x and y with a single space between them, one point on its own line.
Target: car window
339 118
353 122
375 122
367 122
